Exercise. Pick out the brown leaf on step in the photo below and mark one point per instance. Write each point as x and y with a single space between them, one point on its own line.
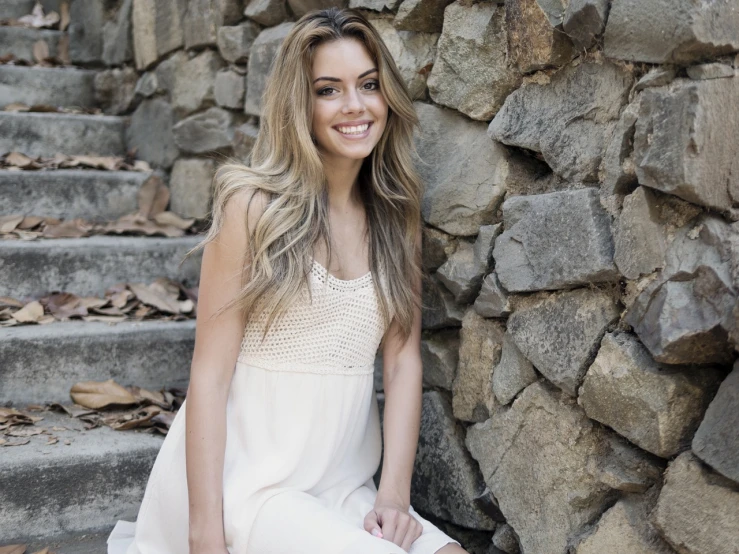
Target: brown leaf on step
141 165
52 440
44 108
25 432
16 107
18 159
155 295
74 410
16 442
37 19
12 302
186 306
99 162
120 298
40 51
31 221
74 228
13 549
153 197
140 417
31 312
64 305
109 311
171 218
104 318
63 15
8 223
153 397
164 418
44 551
46 318
98 394
139 224
13 416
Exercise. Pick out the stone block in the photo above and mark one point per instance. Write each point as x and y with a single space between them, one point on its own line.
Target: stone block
440 356
471 71
513 372
150 133
559 332
157 29
194 82
208 131
204 18
426 16
261 58
266 12
568 119
235 42
553 241
229 89
190 186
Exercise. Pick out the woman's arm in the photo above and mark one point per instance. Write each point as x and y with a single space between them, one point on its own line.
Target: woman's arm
402 377
217 343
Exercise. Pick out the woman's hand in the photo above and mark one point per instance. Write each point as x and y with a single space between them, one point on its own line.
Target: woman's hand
392 521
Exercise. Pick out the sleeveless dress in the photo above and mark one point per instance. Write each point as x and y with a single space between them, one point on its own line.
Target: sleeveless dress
303 439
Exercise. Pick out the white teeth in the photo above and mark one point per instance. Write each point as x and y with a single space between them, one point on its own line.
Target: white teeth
354 130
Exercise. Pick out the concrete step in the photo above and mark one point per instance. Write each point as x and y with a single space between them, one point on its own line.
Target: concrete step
94 195
19 41
46 134
41 363
87 266
14 9
47 85
78 543
54 490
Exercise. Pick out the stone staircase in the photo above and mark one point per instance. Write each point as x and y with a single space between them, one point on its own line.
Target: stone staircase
68 496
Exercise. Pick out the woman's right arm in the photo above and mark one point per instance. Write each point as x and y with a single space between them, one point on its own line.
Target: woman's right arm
217 343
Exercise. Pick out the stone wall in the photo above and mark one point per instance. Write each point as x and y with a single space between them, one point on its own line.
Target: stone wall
582 174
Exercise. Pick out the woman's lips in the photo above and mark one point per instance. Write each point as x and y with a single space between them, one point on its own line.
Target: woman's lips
355 136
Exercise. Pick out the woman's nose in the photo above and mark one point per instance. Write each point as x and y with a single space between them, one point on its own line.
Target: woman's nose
353 102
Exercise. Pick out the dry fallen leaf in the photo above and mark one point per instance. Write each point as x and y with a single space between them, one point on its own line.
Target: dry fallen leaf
155 295
153 197
9 222
31 312
13 549
40 51
37 19
16 442
95 394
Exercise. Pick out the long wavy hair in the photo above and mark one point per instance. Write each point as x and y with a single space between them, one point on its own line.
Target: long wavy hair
287 166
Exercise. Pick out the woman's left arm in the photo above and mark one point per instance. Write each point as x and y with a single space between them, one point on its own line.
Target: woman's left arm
402 378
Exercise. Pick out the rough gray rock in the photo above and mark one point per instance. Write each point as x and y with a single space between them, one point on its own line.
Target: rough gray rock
194 83
717 438
190 186
493 299
437 247
553 241
471 73
375 5
584 21
560 332
446 480
211 130
412 52
167 71
625 528
506 540
684 316
229 89
617 170
244 138
261 57
426 16
147 85
710 71
115 89
656 407
117 36
203 18
302 7
235 42
569 466
462 273
568 119
696 511
481 341
684 140
440 310
674 31
266 12
85 31
656 77
535 38
513 372
150 132
640 239
440 356
157 30
464 186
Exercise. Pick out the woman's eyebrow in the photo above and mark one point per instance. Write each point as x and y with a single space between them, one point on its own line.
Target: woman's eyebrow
337 80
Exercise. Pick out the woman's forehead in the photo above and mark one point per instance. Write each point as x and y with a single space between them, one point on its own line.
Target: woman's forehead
344 58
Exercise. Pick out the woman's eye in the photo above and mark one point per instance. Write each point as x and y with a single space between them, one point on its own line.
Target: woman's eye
323 90
375 83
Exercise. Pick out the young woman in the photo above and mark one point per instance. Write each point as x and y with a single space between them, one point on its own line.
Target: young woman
311 264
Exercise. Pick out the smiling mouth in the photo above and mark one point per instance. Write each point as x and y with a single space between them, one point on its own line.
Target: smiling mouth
354 130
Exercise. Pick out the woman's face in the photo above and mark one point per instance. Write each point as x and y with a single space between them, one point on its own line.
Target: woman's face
349 109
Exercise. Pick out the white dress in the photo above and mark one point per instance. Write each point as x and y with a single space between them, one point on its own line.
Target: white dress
303 439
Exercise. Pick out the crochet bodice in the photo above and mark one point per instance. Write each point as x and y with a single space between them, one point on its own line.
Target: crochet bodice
338 333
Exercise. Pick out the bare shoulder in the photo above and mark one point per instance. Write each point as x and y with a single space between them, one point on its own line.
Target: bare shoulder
244 206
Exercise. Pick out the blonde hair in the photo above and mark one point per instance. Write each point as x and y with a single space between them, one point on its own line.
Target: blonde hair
286 165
